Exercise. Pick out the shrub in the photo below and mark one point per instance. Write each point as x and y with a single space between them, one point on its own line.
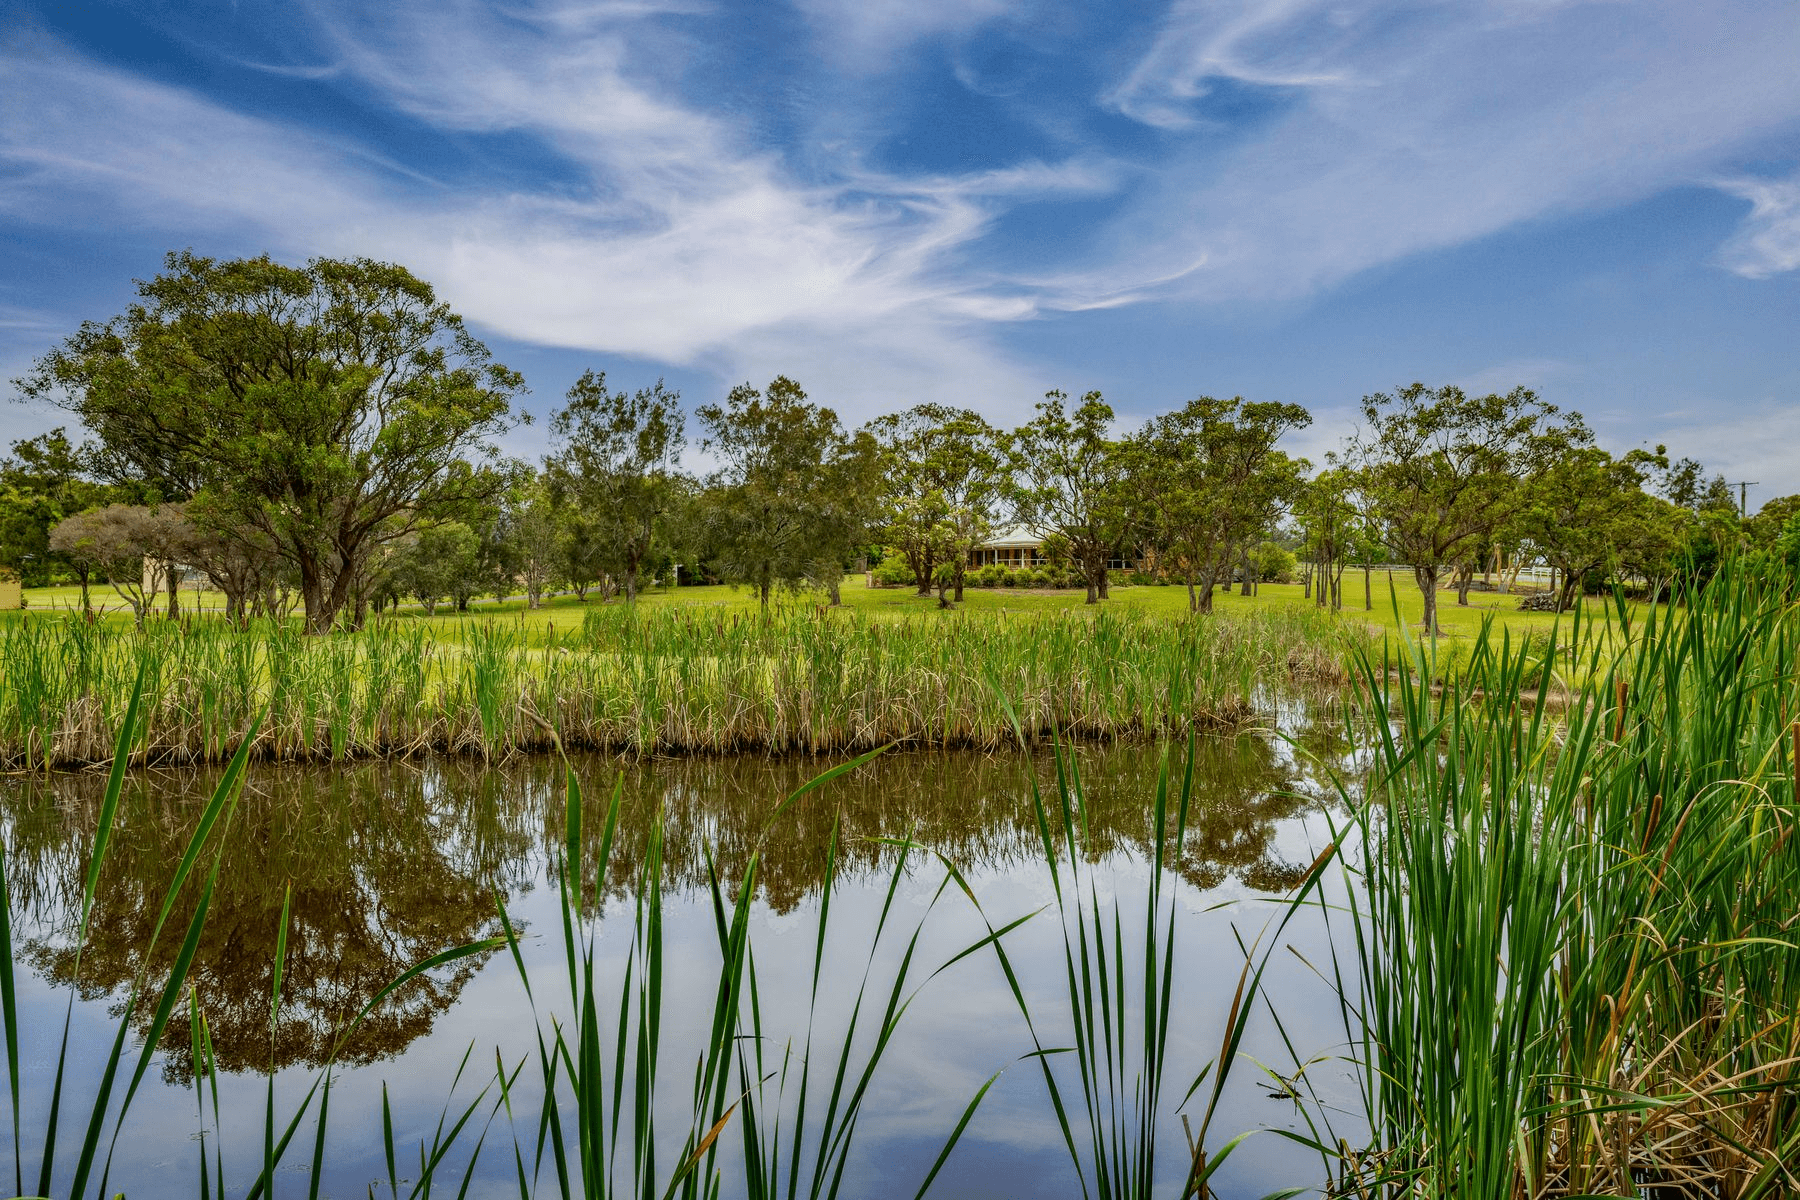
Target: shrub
893 571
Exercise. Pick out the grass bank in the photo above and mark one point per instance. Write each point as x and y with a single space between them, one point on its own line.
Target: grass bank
653 680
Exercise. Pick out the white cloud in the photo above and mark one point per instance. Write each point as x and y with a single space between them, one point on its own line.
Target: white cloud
677 232
1758 442
867 35
1768 242
1397 128
675 238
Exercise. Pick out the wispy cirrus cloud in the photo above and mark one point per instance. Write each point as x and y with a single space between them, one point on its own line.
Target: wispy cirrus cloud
1389 129
1768 242
1250 152
669 235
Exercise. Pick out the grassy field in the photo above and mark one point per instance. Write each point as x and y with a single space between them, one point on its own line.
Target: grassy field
563 614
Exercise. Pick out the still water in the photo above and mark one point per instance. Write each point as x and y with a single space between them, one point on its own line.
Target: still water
383 864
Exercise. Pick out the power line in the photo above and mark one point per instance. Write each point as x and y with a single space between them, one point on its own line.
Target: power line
1743 487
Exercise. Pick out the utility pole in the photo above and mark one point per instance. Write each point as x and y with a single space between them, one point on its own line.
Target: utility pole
1743 487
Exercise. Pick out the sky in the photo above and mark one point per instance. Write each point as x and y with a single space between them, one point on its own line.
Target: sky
967 201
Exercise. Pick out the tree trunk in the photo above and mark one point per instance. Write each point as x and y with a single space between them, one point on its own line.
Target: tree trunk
961 570
174 582
1193 596
1245 588
1209 580
1427 579
1566 599
1463 580
312 596
1306 578
1368 599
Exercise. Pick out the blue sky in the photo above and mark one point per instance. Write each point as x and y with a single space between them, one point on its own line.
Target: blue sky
972 201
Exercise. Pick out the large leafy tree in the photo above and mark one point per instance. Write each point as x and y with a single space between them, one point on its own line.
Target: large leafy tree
943 477
1068 479
614 460
1441 471
1208 482
333 407
1583 508
793 496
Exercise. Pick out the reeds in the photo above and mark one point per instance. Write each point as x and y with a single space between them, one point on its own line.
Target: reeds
1568 951
659 682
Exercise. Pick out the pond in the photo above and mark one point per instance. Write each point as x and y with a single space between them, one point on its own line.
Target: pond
382 864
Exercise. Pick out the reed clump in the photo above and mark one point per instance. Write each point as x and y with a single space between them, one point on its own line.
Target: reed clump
1568 944
658 682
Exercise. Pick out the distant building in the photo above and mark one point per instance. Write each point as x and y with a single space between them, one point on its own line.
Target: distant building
1021 547
11 594
1015 547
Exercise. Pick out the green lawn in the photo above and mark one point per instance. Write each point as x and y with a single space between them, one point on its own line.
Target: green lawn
563 613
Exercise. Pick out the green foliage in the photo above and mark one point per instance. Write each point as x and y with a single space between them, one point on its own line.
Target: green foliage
894 570
44 480
1439 470
613 461
1208 482
1587 511
942 481
1068 480
334 407
439 562
1274 562
794 497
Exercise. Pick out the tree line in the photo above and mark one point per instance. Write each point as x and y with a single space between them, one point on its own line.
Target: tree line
326 438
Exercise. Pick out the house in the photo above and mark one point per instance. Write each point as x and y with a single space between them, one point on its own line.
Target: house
1021 547
1015 547
10 594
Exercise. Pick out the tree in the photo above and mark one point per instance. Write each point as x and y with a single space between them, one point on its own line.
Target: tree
335 407
1068 480
43 480
1579 512
614 458
535 531
114 542
1333 531
1441 470
1770 523
942 479
444 560
1209 483
793 496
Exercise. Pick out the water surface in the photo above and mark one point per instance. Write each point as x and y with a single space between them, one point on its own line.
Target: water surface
382 864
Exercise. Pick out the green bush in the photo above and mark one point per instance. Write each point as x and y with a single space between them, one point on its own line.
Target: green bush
893 570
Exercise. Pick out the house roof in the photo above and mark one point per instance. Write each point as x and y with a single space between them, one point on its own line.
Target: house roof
1010 536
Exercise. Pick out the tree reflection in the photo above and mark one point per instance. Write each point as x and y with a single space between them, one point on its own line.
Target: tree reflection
387 865
390 863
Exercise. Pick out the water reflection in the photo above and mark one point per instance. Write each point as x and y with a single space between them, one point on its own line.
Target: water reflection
387 863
